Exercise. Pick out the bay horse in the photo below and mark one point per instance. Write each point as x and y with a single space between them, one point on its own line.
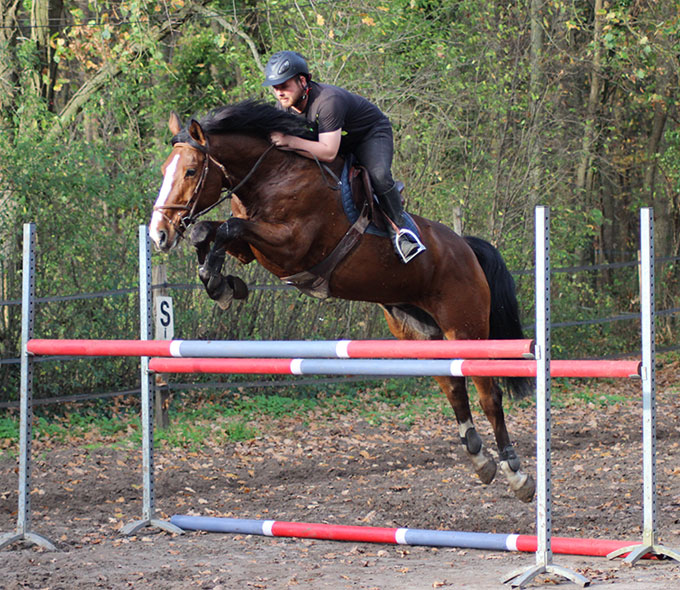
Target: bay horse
287 215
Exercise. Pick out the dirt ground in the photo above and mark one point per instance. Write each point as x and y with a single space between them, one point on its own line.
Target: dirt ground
347 471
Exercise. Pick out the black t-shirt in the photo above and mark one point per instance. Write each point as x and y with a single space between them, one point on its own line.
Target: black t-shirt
333 108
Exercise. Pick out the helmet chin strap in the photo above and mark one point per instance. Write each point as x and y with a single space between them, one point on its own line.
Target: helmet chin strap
301 103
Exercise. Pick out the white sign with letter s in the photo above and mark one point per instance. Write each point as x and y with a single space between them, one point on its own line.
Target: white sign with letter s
165 323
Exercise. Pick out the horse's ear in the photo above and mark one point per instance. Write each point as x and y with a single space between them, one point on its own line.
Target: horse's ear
174 123
196 132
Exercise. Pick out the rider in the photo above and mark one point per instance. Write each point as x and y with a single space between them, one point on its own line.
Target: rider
347 123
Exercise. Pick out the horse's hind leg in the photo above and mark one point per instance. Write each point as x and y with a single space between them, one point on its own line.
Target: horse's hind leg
411 322
490 398
456 392
408 322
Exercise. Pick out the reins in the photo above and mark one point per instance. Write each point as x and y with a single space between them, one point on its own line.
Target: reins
231 191
191 218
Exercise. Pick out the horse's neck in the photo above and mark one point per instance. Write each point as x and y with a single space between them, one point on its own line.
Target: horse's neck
239 155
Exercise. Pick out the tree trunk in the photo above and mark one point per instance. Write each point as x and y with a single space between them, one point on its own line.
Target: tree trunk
536 91
8 66
666 78
43 14
9 78
584 172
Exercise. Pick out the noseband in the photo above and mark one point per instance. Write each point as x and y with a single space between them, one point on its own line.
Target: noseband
187 220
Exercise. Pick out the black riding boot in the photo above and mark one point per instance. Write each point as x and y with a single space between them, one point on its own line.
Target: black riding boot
406 243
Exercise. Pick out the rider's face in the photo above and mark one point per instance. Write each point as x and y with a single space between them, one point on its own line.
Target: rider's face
290 92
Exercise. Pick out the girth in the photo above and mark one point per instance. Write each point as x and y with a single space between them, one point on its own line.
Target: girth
316 280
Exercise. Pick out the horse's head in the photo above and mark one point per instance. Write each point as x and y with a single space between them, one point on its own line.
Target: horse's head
194 173
188 186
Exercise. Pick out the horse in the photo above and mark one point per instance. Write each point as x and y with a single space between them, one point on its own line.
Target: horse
286 214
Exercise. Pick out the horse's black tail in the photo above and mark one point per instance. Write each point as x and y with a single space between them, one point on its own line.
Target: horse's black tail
504 321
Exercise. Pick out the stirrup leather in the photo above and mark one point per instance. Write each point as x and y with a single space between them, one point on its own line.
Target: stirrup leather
412 238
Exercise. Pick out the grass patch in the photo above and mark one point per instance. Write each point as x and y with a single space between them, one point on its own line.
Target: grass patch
195 421
274 406
593 396
9 428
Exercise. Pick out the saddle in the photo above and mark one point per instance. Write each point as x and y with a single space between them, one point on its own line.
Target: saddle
356 188
362 210
358 192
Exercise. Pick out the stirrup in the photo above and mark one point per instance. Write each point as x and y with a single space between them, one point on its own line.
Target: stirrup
413 240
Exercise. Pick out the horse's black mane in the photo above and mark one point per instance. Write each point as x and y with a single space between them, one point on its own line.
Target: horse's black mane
252 117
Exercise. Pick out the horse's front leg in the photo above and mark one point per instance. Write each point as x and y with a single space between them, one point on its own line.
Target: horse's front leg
202 238
283 245
281 241
223 289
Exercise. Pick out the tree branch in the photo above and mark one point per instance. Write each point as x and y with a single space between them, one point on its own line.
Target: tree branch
112 69
234 30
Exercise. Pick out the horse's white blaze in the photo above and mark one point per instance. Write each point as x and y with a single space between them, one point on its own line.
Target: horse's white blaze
164 193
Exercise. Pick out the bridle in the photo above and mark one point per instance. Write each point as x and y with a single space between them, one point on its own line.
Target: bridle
190 207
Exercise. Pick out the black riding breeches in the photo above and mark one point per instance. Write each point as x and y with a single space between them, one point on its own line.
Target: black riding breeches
375 154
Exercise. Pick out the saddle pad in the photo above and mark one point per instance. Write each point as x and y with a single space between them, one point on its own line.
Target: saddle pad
353 213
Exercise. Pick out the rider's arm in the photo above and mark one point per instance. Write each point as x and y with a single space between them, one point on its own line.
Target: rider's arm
326 149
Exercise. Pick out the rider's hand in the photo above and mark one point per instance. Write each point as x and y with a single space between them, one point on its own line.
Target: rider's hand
278 139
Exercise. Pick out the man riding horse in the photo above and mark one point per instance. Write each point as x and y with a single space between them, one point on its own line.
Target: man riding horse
289 218
347 124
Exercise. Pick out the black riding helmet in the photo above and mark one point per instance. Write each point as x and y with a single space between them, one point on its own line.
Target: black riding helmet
282 66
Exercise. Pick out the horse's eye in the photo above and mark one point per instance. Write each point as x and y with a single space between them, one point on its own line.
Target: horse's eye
190 172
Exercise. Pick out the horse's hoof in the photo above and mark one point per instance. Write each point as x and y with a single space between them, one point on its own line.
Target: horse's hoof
221 292
526 491
487 471
224 302
239 288
218 287
485 466
522 484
